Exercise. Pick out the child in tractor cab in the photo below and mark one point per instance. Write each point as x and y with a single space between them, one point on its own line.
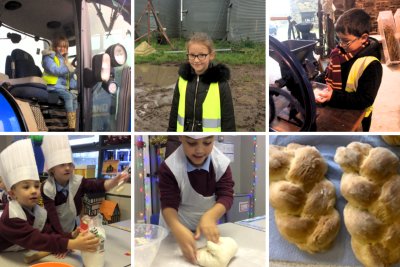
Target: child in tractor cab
59 76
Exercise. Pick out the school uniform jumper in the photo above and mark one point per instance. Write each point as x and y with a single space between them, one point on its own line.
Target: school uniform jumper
22 229
193 193
196 92
64 205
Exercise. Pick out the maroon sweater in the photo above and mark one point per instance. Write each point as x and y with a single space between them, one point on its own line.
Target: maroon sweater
203 182
20 232
87 186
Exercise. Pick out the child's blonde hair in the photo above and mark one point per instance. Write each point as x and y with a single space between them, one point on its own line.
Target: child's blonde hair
203 38
59 40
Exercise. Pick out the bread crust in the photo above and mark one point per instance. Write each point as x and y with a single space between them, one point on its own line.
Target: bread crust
371 185
303 199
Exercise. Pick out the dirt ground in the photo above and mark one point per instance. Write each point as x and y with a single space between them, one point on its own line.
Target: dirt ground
154 86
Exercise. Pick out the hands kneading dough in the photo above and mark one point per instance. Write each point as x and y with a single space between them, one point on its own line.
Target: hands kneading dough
304 200
217 255
371 185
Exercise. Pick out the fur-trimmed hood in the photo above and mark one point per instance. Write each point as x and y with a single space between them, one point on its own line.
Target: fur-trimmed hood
48 52
214 73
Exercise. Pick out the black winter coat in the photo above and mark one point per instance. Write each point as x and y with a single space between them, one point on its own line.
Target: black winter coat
368 84
193 114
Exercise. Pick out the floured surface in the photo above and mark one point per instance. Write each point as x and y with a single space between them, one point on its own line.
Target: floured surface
251 250
16 259
243 257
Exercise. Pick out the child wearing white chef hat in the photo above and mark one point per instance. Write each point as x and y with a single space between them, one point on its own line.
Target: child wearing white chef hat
24 224
63 190
196 190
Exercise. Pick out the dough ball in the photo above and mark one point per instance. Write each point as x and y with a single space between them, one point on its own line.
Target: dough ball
217 255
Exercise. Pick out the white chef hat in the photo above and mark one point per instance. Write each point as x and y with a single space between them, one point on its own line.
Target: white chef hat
17 163
197 136
56 150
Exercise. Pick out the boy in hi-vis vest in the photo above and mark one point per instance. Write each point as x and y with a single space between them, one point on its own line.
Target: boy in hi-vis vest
23 223
59 76
354 73
202 100
196 190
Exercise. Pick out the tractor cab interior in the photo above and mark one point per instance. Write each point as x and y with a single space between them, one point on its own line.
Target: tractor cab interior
103 99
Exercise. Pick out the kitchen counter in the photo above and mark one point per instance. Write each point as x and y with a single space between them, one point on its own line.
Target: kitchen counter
250 240
117 249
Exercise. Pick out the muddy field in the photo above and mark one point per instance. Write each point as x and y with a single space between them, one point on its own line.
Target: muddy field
154 86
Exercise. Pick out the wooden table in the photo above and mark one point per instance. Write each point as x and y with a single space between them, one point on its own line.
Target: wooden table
338 120
328 120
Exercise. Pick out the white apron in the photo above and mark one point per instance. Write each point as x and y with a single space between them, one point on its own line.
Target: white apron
193 205
16 211
66 212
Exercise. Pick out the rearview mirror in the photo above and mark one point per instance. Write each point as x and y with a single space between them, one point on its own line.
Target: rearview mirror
14 37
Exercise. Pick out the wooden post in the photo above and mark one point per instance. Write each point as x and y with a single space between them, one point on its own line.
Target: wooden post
150 9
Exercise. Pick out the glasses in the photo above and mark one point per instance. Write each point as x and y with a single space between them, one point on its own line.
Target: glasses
199 56
347 44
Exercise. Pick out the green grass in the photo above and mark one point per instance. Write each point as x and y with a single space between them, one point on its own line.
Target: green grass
243 52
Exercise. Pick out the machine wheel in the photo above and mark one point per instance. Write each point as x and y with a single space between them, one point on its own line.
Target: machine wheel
302 100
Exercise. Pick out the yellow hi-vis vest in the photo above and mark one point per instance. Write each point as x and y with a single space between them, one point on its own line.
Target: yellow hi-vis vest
355 73
51 79
211 108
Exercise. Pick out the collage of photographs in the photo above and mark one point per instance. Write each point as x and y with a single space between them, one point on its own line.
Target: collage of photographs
96 172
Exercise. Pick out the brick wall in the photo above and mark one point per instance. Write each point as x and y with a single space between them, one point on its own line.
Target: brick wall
372 7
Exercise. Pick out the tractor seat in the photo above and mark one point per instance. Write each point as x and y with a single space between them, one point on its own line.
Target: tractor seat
25 79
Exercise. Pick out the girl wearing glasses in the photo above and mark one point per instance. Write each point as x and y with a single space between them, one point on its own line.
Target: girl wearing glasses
202 100
354 73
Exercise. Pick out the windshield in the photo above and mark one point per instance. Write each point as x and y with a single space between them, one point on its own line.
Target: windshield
107 27
27 44
102 35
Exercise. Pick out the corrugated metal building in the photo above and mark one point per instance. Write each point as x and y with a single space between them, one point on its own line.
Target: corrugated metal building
246 20
168 11
205 16
233 20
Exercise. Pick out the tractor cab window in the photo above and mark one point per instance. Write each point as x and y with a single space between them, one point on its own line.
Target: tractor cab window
111 43
11 40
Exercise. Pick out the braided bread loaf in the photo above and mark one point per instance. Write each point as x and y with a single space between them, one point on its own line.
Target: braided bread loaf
303 199
371 185
393 140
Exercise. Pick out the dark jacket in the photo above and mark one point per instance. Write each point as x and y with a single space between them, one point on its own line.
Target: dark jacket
368 84
215 73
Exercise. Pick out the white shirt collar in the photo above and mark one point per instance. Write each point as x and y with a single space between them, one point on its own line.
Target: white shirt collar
206 165
63 189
